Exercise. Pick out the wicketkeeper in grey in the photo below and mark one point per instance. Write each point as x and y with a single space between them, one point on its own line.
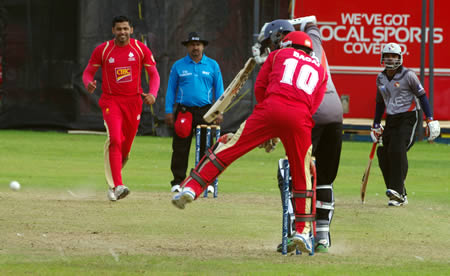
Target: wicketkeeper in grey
401 95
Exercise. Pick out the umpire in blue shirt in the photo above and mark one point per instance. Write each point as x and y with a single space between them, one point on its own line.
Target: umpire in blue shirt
195 82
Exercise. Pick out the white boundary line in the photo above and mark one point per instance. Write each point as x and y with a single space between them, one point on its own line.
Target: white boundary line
86 132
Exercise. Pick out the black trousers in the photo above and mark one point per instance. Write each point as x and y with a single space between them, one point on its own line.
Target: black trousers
327 145
398 137
181 146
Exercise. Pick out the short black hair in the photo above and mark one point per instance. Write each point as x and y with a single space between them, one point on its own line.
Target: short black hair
119 19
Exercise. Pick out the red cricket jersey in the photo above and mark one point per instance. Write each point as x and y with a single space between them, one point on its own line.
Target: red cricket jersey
122 66
292 75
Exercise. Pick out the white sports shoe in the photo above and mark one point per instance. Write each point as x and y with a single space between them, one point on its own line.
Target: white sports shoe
121 191
395 196
180 200
396 203
211 189
111 195
304 242
175 189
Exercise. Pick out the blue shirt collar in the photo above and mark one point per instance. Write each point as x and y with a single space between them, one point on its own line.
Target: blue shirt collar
189 59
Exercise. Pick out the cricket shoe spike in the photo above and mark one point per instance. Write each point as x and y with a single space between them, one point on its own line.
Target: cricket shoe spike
187 195
121 191
395 196
304 242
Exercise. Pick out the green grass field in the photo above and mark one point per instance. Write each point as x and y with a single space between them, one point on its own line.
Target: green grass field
61 223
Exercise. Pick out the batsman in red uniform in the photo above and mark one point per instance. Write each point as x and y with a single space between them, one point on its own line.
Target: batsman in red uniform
121 60
289 88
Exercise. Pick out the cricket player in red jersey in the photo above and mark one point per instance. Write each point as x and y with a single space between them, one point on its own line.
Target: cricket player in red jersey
121 60
289 88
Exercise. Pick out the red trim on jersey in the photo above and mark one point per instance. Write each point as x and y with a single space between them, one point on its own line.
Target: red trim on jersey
413 106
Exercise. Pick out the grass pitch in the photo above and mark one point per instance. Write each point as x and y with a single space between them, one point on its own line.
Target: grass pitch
60 222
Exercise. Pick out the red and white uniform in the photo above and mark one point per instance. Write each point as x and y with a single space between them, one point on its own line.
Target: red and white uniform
289 88
121 101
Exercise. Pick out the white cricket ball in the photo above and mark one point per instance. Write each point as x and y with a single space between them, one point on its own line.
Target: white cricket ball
14 185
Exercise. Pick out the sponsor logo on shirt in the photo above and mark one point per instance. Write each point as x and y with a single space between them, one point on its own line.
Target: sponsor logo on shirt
397 84
123 74
185 73
131 57
111 60
206 73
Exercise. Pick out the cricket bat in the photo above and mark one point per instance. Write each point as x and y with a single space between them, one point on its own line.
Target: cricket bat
227 97
365 177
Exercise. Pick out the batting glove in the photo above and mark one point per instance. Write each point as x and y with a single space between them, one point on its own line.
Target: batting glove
433 129
303 21
270 144
375 133
256 50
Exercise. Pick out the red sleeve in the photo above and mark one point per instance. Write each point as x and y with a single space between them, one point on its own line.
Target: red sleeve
262 80
319 94
95 62
150 66
88 74
149 60
154 80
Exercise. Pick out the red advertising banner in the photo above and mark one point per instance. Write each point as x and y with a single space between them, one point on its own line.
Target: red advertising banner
354 32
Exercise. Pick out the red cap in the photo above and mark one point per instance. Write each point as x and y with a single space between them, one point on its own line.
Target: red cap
183 124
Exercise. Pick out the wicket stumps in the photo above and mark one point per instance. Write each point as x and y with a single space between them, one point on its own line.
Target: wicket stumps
209 142
285 198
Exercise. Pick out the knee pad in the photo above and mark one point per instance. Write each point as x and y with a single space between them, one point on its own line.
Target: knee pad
325 211
308 194
298 194
209 156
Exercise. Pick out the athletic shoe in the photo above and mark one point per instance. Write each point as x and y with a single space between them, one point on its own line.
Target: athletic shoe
395 203
111 195
211 189
175 188
394 196
180 200
121 191
304 242
322 246
290 246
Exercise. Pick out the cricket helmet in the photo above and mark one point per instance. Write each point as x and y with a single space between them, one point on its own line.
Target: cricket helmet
297 38
275 29
391 48
183 124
